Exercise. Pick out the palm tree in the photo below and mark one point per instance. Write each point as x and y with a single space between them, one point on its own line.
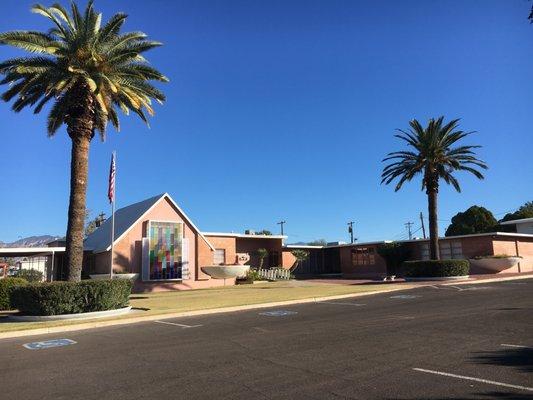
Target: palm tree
433 157
262 254
88 71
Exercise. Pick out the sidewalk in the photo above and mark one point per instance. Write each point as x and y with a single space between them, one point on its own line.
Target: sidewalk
153 306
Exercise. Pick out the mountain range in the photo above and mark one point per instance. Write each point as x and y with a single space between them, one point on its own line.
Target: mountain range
30 241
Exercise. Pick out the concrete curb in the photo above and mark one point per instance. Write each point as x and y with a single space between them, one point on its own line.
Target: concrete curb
149 318
489 280
62 317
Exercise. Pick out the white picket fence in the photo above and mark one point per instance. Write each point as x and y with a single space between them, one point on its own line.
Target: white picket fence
275 274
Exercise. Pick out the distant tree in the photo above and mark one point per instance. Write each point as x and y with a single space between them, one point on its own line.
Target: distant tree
433 157
262 254
91 225
474 220
394 253
301 256
318 242
525 211
264 232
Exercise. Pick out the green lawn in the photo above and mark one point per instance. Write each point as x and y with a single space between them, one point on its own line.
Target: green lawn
193 300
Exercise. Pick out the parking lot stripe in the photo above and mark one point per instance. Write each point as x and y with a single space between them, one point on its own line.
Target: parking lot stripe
518 346
470 378
341 304
175 324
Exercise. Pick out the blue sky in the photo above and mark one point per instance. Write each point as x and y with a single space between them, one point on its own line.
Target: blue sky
284 110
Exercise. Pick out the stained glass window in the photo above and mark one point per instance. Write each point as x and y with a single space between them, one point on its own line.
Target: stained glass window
165 250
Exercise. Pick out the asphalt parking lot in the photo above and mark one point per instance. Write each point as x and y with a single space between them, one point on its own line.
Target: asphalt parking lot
441 342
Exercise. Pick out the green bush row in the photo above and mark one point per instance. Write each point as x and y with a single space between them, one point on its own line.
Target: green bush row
7 285
31 275
56 298
435 268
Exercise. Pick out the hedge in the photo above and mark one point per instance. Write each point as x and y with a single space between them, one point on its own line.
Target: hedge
7 285
435 268
31 275
56 298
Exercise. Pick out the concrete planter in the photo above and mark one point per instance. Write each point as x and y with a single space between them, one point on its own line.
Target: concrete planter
437 278
493 264
115 276
226 271
88 315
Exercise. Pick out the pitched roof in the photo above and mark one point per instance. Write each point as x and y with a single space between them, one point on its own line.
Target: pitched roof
125 218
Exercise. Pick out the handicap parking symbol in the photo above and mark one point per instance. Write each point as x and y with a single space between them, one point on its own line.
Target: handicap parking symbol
278 313
46 344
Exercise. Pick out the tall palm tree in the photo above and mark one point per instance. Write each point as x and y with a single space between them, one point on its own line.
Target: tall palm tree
433 157
88 71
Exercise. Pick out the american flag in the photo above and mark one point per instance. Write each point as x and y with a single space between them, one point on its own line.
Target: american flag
112 172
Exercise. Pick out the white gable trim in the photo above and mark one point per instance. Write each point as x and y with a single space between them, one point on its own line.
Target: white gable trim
185 217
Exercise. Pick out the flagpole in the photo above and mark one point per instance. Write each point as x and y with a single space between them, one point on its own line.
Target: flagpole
113 217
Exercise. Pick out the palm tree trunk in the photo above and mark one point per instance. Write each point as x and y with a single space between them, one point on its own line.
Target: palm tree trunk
434 253
79 165
80 128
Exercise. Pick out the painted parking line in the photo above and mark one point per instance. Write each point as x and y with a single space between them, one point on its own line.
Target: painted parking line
176 324
471 378
341 303
278 313
47 344
405 296
517 346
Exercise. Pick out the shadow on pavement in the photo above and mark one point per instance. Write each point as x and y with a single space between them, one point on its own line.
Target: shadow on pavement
519 358
475 396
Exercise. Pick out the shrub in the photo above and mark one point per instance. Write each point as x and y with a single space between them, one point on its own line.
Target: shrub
394 254
31 275
435 268
56 298
7 285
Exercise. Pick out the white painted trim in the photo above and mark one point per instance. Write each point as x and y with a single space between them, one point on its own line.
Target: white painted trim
303 246
185 217
31 250
517 221
243 235
503 234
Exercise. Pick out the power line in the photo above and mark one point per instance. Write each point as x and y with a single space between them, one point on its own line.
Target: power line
408 225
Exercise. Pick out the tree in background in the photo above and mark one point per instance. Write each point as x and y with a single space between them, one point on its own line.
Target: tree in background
262 254
433 157
264 232
525 211
394 254
93 224
88 71
301 256
474 220
318 242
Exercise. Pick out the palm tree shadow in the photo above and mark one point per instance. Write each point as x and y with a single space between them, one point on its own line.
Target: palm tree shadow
475 396
521 358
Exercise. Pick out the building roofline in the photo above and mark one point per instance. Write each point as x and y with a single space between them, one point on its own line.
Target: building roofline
517 221
303 246
505 234
244 235
22 251
185 217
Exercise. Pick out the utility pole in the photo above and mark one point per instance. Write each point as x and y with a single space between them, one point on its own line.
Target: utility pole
422 222
350 230
281 223
408 225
